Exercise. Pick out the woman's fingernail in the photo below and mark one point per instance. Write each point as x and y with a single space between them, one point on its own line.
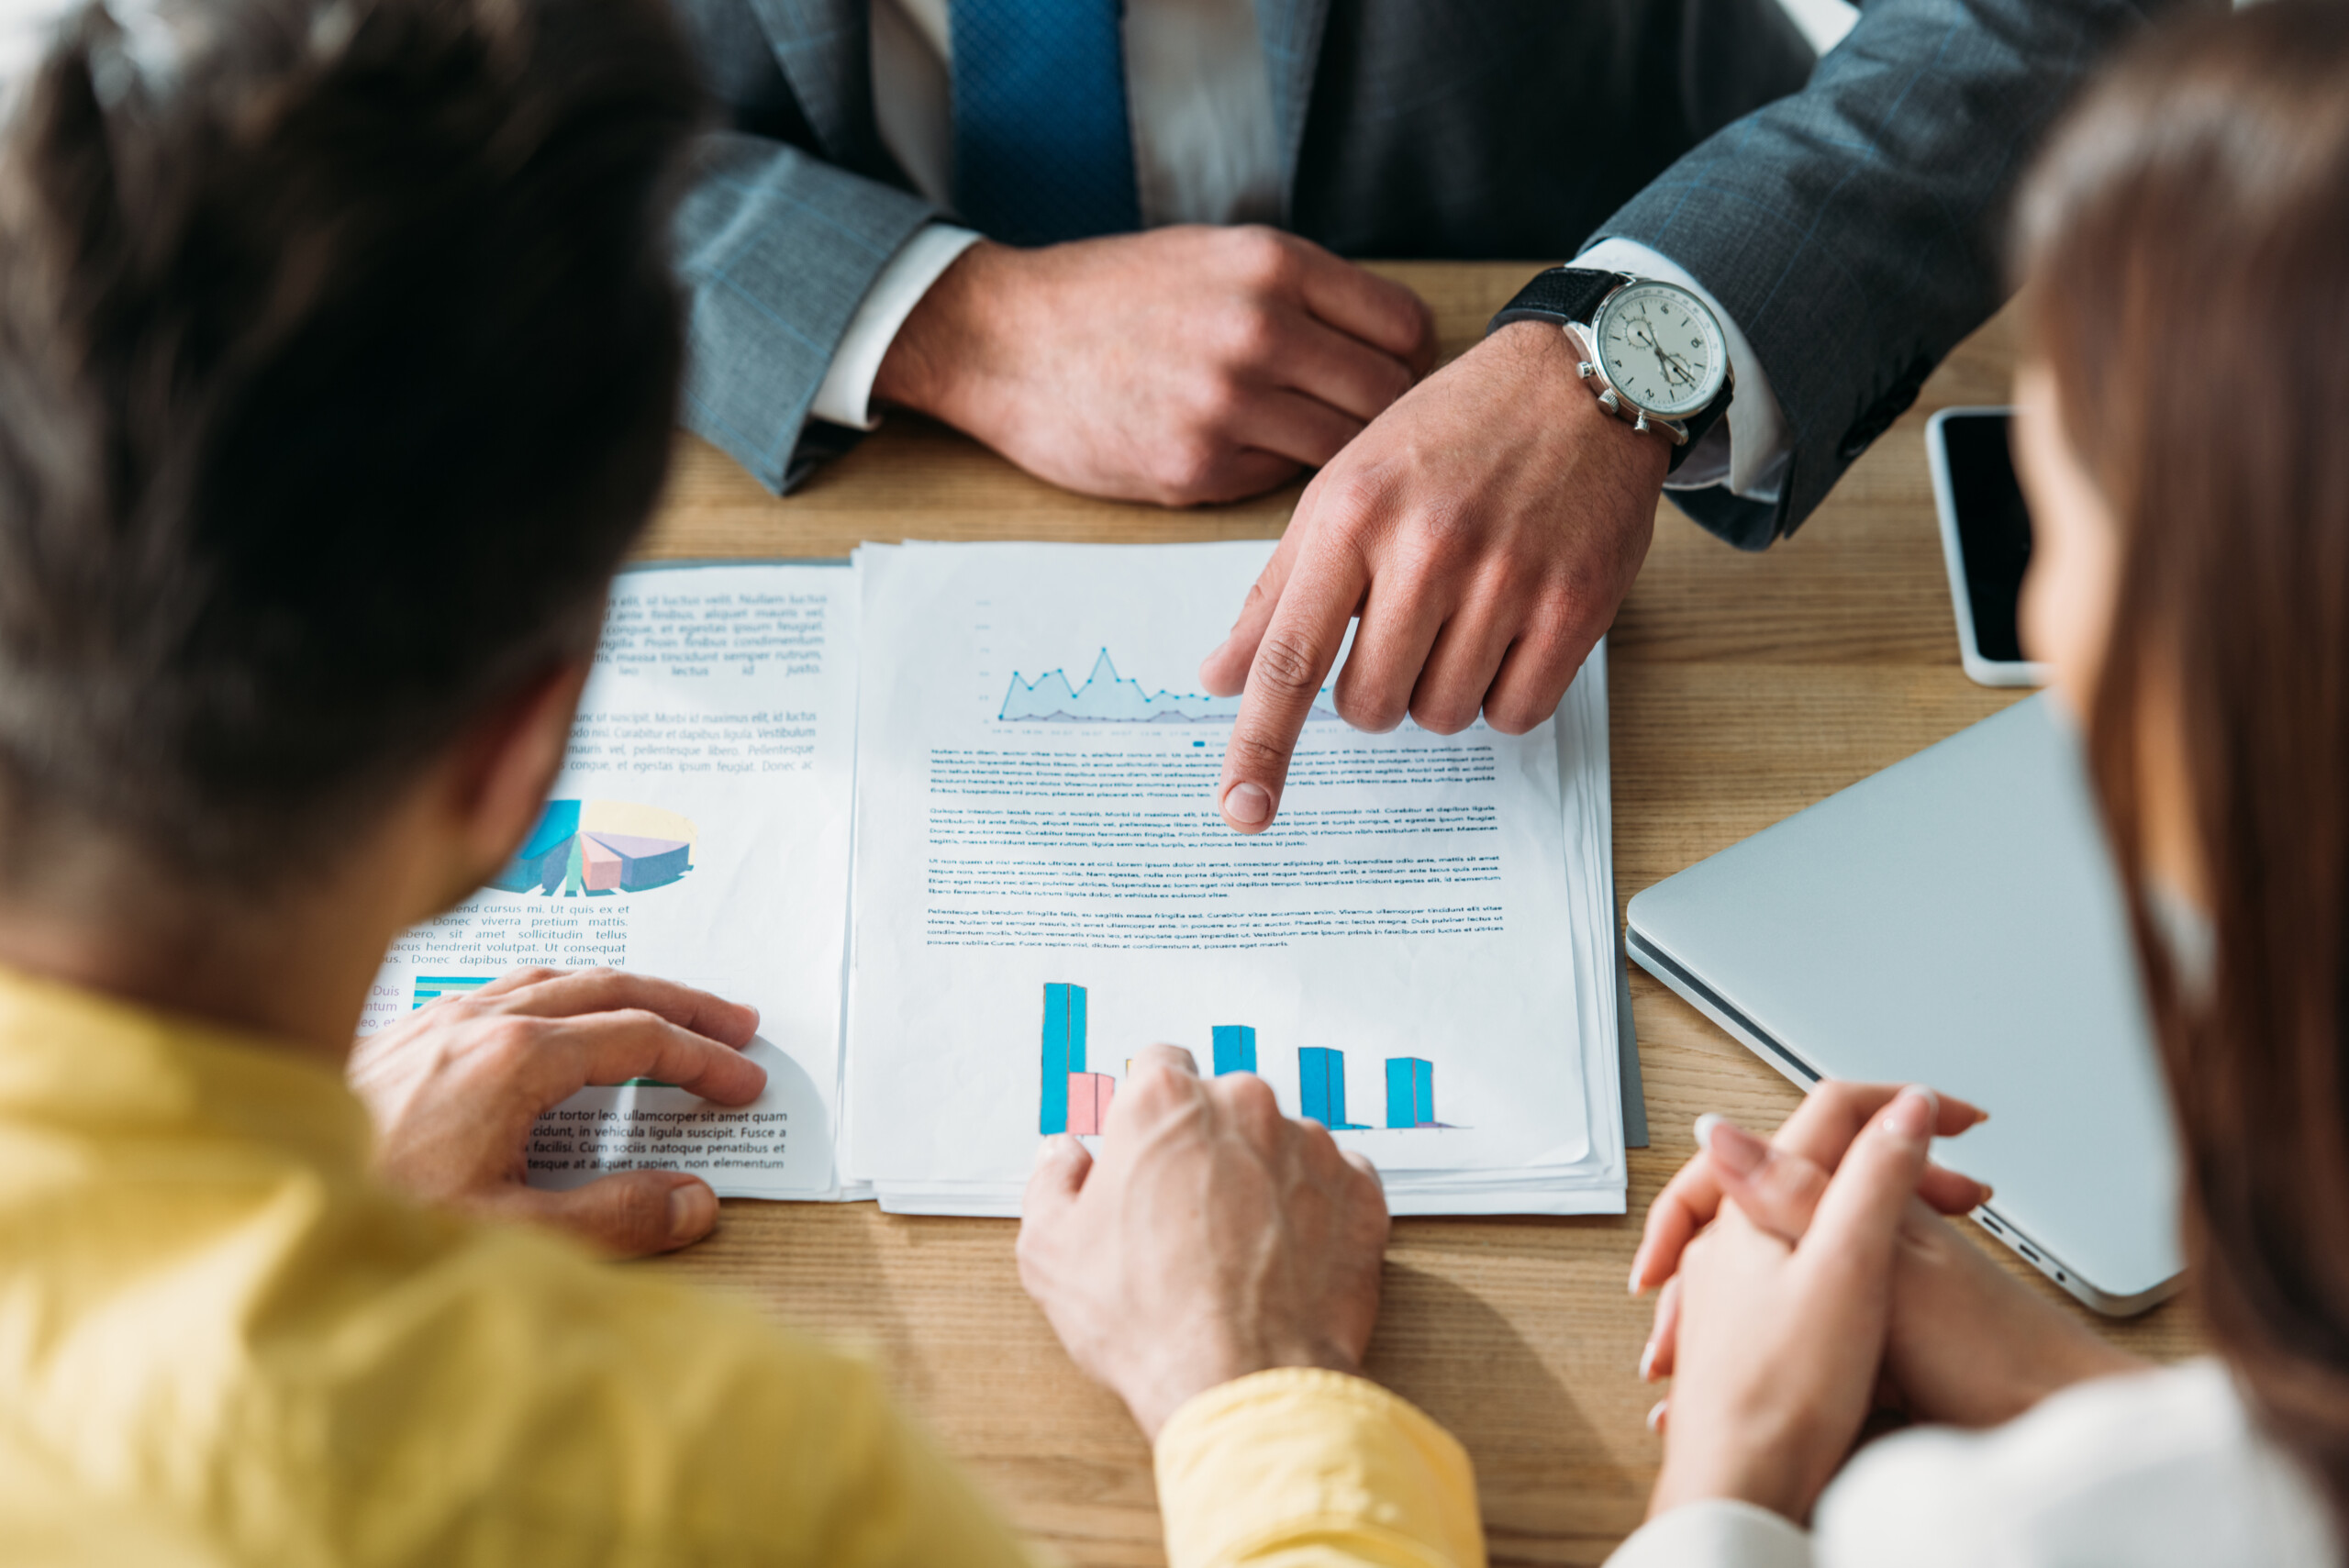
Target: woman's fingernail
1635 1277
1914 1111
1655 1415
1647 1362
1730 1144
1248 803
693 1209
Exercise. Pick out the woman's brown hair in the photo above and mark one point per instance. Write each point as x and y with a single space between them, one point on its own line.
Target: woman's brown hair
2186 245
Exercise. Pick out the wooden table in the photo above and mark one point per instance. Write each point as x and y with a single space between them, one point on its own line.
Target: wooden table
1743 688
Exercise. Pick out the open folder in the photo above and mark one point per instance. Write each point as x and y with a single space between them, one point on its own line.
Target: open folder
945 816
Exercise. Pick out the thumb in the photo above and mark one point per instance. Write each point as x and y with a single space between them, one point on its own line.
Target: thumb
1062 1165
631 1213
1849 1246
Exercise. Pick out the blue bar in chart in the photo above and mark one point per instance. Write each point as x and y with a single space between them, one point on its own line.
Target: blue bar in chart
1410 1092
1063 1052
1322 1079
1235 1049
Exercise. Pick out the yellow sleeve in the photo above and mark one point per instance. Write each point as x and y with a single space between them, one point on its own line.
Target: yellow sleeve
520 1404
1301 1468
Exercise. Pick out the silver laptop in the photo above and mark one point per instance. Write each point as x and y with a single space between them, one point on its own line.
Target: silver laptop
1956 921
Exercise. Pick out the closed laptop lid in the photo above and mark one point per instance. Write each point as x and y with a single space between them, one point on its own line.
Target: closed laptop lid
1955 920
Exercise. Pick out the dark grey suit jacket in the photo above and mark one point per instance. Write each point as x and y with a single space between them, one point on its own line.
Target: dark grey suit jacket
1849 226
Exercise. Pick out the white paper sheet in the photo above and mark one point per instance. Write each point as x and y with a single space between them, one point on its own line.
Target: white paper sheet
721 717
1020 829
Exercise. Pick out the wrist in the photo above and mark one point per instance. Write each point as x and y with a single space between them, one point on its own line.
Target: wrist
1538 358
943 338
1757 1478
1180 1379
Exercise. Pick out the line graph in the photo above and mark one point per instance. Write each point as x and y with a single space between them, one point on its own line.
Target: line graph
1107 697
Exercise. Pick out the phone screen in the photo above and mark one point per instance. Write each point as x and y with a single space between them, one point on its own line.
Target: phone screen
1993 527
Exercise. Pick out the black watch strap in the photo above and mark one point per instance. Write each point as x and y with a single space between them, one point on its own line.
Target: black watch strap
1560 294
1572 293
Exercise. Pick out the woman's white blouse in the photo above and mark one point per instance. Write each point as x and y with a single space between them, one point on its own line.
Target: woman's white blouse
2155 1470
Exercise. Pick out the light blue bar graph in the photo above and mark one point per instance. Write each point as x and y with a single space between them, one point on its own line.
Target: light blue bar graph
1235 1049
1063 1052
1410 1092
1321 1081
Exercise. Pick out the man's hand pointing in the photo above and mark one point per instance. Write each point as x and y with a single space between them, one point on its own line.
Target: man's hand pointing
1484 528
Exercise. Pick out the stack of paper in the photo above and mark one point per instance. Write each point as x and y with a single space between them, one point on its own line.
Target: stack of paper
1418 954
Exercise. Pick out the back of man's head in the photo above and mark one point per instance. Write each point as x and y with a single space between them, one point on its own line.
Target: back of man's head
338 360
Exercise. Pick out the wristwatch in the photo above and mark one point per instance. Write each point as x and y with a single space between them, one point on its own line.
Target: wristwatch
1654 353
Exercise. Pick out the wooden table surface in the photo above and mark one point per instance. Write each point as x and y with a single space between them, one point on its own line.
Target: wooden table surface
1743 688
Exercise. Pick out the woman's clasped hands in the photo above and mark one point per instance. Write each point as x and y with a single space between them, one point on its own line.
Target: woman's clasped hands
1811 1279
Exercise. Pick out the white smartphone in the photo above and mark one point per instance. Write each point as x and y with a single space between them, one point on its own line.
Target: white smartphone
1986 540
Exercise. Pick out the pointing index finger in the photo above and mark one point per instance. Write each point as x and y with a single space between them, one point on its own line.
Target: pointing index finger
1299 644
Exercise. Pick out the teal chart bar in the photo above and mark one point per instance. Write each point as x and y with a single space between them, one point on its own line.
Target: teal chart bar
1235 1049
1410 1092
1063 1056
1322 1078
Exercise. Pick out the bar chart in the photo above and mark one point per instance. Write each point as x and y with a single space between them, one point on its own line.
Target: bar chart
1410 1092
1321 1084
1063 1057
1235 1049
1073 1098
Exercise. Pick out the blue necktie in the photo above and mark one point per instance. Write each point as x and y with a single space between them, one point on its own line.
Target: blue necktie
1043 150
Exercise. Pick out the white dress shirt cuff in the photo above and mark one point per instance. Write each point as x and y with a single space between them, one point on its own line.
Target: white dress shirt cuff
846 397
1716 1532
1747 450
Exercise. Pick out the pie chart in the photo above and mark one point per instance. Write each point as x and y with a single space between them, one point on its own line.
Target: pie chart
598 847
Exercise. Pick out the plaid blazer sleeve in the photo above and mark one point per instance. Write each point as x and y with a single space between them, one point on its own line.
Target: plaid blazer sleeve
1854 230
776 249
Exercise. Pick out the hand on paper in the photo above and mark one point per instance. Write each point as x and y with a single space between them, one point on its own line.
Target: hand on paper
1967 1344
1183 365
1212 1237
1485 528
1778 1344
453 1088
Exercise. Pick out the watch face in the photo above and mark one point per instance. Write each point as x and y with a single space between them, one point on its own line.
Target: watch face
1660 349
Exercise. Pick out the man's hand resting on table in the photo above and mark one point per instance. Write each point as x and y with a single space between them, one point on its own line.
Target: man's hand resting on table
1182 365
1213 1238
453 1088
1485 528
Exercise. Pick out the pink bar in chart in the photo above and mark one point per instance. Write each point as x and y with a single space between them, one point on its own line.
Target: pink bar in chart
1088 1101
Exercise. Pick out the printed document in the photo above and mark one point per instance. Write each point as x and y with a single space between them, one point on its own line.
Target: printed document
1418 954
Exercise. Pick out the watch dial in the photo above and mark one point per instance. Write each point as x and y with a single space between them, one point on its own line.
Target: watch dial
1660 348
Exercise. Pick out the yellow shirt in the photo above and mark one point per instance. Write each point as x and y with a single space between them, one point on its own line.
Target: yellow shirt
221 1343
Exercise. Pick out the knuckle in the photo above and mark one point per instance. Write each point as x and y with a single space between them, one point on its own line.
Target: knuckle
510 1040
1286 664
638 1212
1262 255
1186 468
1248 336
1250 1101
1254 755
1349 503
1515 715
1441 716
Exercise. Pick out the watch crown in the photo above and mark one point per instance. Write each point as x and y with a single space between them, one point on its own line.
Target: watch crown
1610 400
1584 370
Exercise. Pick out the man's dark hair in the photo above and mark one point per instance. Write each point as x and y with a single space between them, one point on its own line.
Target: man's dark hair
339 354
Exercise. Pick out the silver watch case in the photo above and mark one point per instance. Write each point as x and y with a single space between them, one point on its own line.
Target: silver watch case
1591 367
